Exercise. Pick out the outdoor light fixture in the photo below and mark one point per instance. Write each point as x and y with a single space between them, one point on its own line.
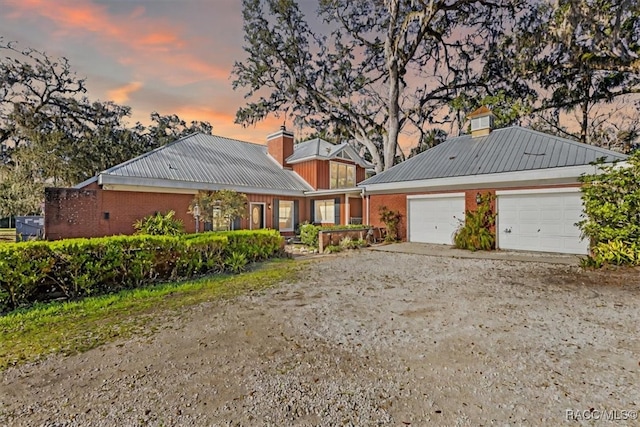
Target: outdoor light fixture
269 205
478 198
196 214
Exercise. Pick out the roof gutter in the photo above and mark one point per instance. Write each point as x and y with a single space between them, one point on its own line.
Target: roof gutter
110 182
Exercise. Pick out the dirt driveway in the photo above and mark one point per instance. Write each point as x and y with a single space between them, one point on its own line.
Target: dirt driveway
366 338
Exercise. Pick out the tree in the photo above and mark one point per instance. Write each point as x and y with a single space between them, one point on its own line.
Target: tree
611 221
581 55
219 208
52 134
429 140
381 66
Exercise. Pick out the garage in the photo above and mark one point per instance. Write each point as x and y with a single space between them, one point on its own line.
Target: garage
538 220
435 218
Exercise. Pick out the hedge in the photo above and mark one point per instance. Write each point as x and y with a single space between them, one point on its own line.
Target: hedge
73 268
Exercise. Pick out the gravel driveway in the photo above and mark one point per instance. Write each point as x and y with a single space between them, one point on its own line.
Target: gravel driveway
366 338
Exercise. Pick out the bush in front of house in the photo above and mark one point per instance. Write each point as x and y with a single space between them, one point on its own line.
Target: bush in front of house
74 268
611 221
477 232
159 224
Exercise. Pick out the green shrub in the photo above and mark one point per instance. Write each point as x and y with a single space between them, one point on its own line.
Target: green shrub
159 225
391 220
332 249
309 234
349 243
236 262
477 232
611 221
74 268
614 252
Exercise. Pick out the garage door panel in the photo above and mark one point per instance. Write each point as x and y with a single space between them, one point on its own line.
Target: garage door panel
541 222
435 220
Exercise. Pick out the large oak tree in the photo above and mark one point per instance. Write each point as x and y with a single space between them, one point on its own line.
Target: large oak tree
370 69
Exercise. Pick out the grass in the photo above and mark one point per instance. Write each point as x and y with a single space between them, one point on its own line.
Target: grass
7 235
72 327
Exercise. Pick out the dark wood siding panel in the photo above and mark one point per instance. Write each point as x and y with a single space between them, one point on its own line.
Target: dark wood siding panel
360 174
323 175
308 171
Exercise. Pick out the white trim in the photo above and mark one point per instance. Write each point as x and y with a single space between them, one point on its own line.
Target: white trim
564 175
305 159
140 189
281 132
86 182
435 196
154 185
337 192
538 191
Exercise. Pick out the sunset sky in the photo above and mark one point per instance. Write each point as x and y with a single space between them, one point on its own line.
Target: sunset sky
169 56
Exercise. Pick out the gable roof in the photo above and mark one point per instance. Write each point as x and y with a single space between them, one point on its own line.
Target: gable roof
320 149
510 149
208 162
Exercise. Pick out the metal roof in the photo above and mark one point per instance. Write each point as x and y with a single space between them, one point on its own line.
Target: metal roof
511 149
208 159
324 150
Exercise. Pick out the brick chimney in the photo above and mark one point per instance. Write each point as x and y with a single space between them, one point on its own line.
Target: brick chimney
280 145
481 122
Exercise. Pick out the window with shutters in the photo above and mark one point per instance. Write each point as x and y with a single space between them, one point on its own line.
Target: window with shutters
285 215
325 211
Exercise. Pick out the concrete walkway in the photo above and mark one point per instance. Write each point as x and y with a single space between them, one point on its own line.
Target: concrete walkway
450 251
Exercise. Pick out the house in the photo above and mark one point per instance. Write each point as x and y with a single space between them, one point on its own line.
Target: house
533 176
285 184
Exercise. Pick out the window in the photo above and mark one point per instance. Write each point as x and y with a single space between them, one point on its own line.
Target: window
342 175
325 211
285 215
481 122
219 222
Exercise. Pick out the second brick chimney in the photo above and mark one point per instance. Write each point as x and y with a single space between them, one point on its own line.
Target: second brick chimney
280 145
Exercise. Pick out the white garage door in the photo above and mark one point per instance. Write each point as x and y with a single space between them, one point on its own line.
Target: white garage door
539 221
434 219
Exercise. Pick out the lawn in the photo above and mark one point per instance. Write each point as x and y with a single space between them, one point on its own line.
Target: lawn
77 326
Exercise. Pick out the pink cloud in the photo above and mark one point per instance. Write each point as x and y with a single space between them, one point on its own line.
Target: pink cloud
133 38
121 94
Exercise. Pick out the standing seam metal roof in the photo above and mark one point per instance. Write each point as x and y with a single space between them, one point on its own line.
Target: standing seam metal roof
510 149
210 159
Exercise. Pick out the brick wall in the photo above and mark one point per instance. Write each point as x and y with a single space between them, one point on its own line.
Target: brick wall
126 207
71 213
394 202
93 212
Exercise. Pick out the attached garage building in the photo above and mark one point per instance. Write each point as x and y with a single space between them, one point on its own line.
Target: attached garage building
533 176
541 220
434 218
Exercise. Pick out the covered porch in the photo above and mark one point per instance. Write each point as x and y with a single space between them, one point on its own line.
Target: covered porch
336 207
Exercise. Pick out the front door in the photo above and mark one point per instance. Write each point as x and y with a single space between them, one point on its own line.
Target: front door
257 216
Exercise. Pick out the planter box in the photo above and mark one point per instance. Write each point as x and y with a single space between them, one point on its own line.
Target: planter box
333 237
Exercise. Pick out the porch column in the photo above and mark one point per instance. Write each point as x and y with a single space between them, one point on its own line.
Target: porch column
347 211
